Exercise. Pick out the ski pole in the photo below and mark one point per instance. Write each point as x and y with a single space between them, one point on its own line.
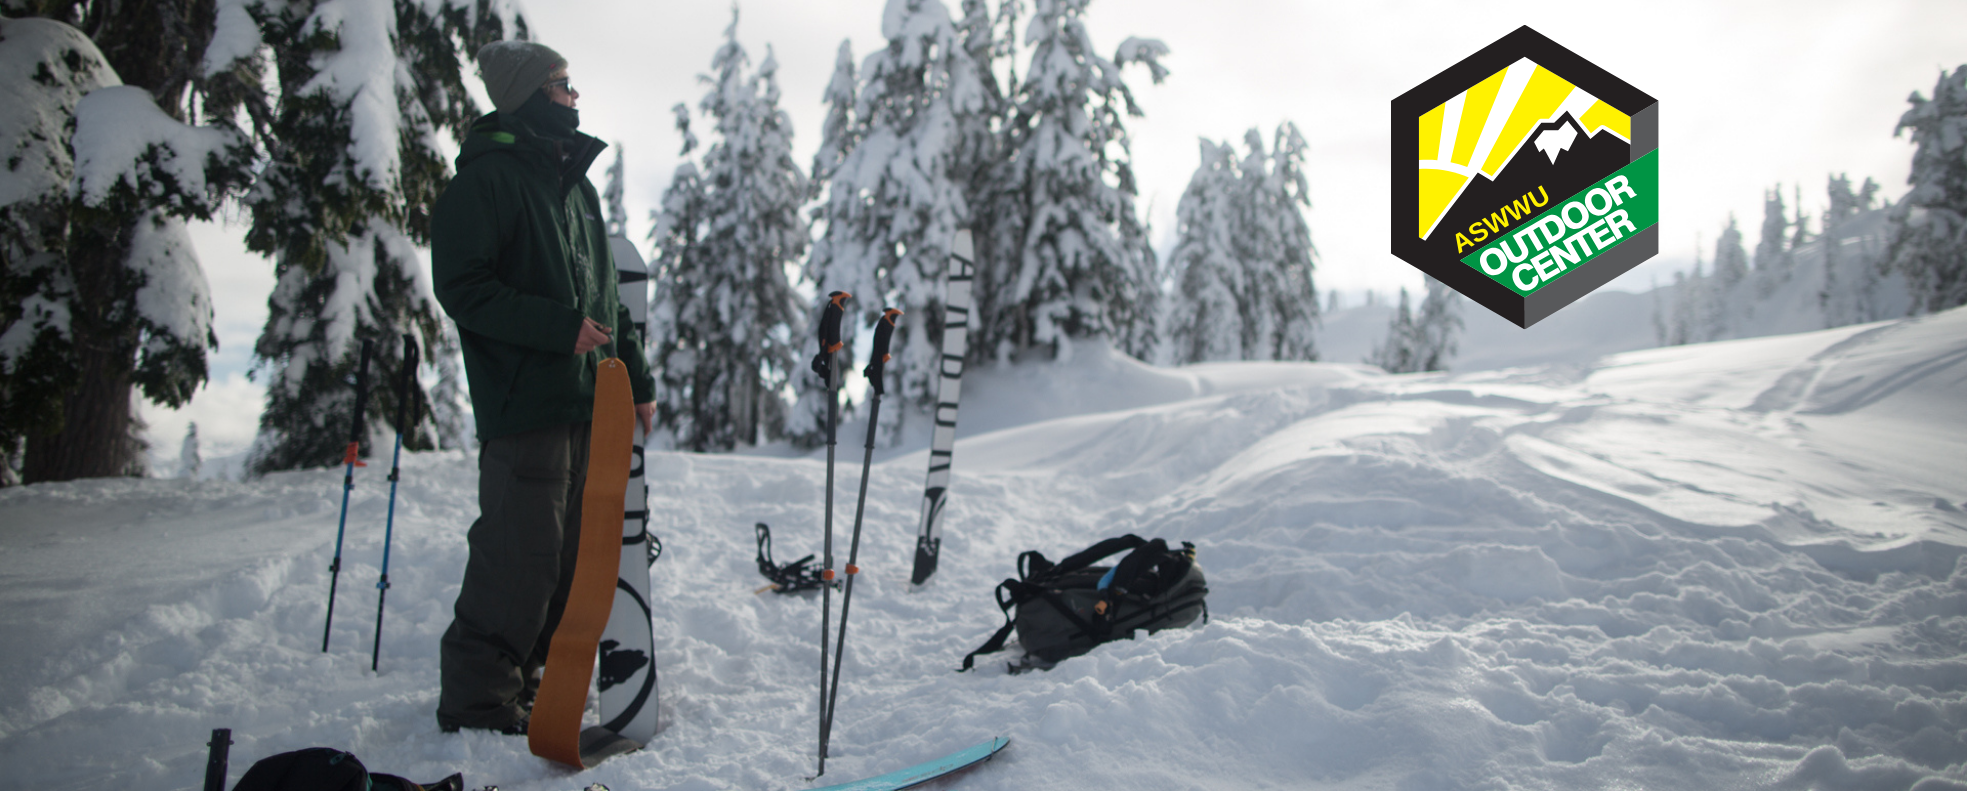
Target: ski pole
217 758
825 364
884 330
350 462
407 373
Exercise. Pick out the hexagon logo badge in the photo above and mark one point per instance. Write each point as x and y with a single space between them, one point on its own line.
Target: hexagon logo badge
1534 178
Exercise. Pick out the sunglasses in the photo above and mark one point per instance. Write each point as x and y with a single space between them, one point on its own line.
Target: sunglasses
562 84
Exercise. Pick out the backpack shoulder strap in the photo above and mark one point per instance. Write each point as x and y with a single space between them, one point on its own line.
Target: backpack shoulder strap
1019 593
1098 552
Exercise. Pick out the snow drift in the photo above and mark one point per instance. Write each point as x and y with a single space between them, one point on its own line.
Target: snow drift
1730 565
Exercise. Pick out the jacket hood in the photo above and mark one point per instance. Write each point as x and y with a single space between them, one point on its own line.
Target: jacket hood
494 132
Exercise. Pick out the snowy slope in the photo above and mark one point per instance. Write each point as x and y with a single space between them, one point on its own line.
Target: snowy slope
1730 565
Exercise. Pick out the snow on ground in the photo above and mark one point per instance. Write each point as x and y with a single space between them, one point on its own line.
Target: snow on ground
1733 565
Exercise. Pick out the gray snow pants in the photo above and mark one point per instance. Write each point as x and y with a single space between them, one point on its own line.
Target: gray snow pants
523 548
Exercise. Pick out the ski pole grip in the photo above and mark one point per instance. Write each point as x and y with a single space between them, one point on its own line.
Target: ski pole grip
407 375
361 390
884 332
830 334
830 321
217 758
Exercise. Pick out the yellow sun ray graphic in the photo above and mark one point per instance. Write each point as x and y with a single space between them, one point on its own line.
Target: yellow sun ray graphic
1482 128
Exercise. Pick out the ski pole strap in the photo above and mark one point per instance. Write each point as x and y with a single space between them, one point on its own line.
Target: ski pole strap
884 331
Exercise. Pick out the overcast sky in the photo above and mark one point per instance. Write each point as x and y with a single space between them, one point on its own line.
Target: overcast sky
1751 94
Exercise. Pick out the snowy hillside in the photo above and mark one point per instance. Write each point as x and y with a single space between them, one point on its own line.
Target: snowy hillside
1728 565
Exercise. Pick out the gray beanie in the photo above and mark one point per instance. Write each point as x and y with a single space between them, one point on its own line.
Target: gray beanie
514 69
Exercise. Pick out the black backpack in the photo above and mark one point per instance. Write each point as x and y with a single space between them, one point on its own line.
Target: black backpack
328 769
1064 609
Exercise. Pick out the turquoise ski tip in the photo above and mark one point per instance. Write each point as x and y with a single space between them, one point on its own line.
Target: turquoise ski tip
927 770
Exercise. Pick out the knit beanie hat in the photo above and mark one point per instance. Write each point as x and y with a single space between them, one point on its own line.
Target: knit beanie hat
513 70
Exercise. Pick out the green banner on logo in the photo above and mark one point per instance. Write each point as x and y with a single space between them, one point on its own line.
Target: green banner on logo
1574 231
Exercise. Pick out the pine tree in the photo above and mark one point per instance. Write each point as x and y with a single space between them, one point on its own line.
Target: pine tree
1840 302
679 268
1436 329
1206 323
189 459
1771 251
1845 203
740 225
1396 353
364 86
1928 233
1082 267
1289 299
100 290
1717 294
893 202
614 210
1425 342
1244 259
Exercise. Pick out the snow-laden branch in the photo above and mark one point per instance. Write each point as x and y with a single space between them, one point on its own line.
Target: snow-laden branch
126 147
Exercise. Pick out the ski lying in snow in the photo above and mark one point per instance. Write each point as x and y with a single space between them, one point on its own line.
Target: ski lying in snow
956 339
927 770
555 731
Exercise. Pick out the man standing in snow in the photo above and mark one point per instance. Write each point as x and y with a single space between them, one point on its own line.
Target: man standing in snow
520 261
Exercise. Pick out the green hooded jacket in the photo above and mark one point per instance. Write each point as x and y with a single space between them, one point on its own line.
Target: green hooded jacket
519 255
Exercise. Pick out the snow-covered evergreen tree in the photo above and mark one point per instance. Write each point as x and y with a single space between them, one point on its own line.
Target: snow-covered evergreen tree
1243 261
1770 248
1396 352
100 290
1082 266
1425 342
1928 235
1844 203
838 133
1289 296
1205 322
1439 325
189 459
893 203
363 88
941 133
1717 295
1844 298
677 267
616 212
726 326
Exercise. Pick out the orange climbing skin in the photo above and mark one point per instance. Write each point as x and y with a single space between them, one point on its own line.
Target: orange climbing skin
555 730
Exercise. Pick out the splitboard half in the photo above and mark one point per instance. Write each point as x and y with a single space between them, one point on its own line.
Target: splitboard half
927 770
555 730
627 678
949 388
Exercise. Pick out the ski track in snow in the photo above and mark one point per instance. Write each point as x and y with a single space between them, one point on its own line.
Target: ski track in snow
1734 565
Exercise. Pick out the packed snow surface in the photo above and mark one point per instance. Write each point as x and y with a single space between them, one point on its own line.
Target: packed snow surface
1730 565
